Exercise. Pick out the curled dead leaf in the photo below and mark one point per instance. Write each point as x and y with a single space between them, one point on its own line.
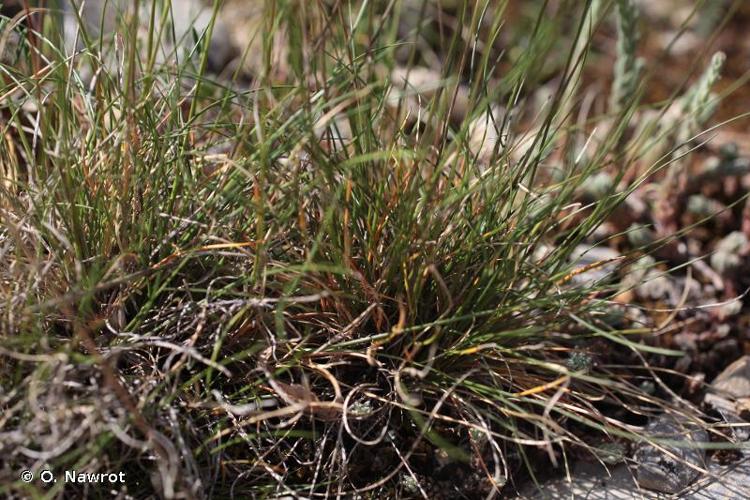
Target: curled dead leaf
299 394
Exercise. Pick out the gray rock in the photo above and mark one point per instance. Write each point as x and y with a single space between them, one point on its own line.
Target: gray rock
594 482
653 474
647 281
729 395
189 18
730 414
673 471
192 15
734 381
591 481
730 482
603 259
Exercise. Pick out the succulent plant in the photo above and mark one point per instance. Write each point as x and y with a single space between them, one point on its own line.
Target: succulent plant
703 206
729 151
579 361
728 254
628 67
598 186
640 235
409 484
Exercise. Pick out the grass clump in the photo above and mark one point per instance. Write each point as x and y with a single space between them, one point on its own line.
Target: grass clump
320 283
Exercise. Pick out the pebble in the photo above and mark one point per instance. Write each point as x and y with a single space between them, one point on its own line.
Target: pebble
656 470
189 16
735 379
594 482
584 256
729 396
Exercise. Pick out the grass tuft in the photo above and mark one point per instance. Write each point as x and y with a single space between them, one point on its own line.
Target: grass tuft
320 282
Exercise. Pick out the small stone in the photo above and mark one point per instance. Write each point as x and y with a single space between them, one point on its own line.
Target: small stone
729 396
190 18
733 414
594 263
658 471
647 281
655 286
729 309
734 381
743 408
414 87
685 341
486 136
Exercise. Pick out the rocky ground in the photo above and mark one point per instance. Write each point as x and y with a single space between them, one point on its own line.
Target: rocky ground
673 459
